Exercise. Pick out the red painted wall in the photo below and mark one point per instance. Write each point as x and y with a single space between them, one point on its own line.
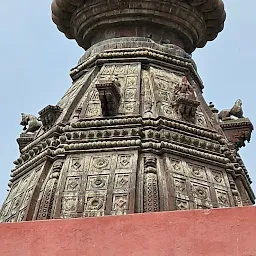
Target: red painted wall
216 232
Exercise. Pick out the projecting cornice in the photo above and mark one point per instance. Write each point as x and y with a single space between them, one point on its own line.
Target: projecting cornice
188 24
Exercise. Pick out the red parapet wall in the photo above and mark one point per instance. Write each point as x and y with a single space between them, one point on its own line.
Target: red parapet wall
217 232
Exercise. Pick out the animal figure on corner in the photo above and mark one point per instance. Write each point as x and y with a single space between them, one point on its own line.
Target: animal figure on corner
30 123
236 111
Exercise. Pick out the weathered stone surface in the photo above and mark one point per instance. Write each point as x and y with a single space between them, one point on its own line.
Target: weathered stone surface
133 133
187 24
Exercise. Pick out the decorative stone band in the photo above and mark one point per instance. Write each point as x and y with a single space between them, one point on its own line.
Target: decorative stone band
136 132
142 54
189 24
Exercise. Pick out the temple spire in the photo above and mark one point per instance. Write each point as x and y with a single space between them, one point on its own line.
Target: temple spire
133 133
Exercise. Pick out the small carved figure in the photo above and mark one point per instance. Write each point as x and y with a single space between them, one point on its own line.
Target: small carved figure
185 90
30 123
185 101
235 111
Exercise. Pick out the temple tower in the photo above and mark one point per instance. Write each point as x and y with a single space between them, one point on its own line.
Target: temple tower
133 133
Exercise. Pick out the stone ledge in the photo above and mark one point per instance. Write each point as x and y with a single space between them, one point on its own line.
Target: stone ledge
216 232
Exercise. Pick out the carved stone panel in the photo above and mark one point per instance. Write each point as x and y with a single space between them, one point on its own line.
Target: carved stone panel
181 188
47 201
124 161
101 163
71 94
176 166
197 172
95 205
128 77
196 185
182 204
120 204
122 181
218 177
148 93
97 184
69 206
19 196
223 198
73 183
76 164
151 202
151 194
165 82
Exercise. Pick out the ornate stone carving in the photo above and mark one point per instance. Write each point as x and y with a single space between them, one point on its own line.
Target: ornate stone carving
49 115
101 162
69 205
201 192
125 161
131 133
182 204
48 194
185 101
176 166
120 203
198 171
122 181
97 182
76 164
73 184
222 198
25 139
95 205
109 94
151 194
30 123
235 111
218 177
237 131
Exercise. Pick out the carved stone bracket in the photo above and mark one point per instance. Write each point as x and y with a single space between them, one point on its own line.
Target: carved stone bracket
109 94
25 139
49 115
237 131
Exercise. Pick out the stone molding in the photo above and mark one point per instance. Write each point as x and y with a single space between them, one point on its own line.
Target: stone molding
206 17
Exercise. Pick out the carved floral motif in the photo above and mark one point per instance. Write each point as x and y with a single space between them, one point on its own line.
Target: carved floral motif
101 162
95 203
97 182
124 161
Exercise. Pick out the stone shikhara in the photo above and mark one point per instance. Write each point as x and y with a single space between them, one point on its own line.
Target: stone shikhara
133 133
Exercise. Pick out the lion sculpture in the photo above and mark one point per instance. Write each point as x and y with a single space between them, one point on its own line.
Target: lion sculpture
235 111
30 123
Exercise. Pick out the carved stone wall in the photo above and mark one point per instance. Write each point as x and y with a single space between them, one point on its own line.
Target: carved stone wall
197 185
19 199
92 185
160 150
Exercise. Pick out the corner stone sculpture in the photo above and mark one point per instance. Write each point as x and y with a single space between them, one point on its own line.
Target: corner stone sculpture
126 137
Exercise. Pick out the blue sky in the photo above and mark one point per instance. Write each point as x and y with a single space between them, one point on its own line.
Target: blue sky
36 59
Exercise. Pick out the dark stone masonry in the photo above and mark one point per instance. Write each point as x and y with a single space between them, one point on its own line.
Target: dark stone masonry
133 133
